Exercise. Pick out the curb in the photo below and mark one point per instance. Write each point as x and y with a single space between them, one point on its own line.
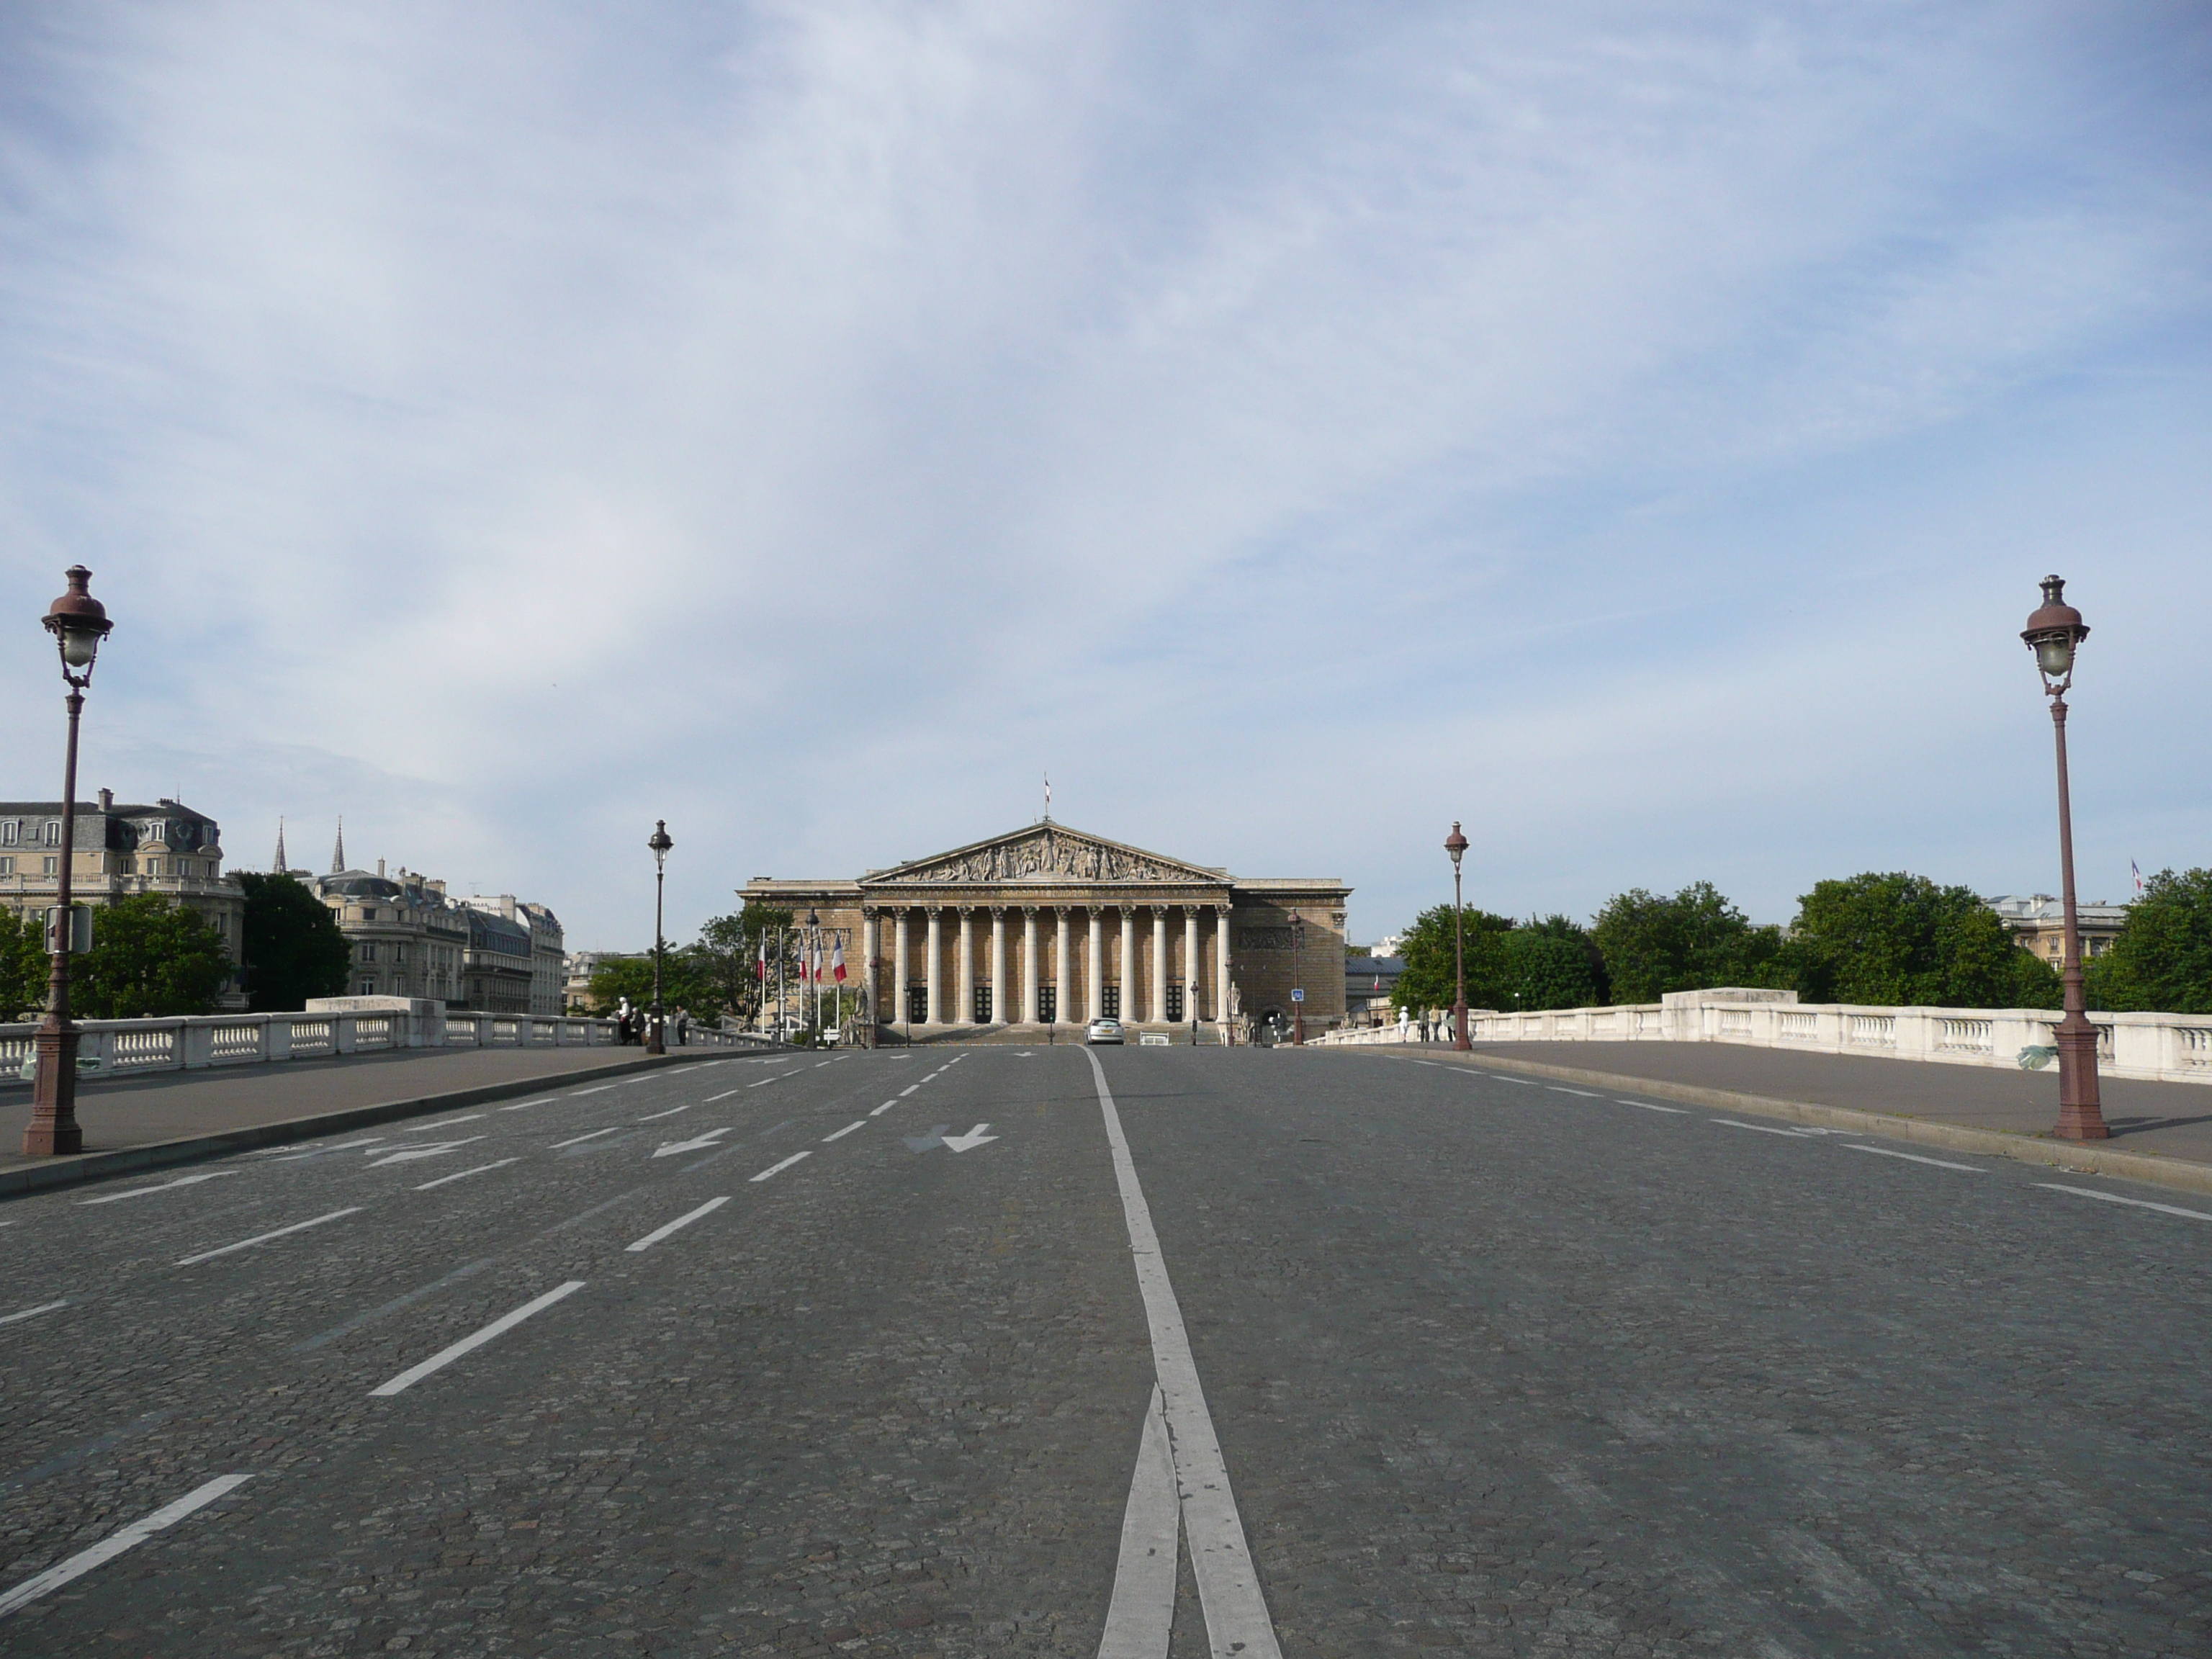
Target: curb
190 1149
2080 1157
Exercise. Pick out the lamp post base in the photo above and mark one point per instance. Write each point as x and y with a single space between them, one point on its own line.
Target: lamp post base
53 1130
2080 1113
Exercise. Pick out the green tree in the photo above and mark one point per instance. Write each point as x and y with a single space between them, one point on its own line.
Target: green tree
2162 962
24 965
149 958
1426 949
1551 964
1899 940
1652 943
293 948
730 948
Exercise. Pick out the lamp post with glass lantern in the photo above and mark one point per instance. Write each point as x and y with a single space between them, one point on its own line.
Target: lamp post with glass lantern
78 622
660 842
2053 633
812 970
1455 844
1298 980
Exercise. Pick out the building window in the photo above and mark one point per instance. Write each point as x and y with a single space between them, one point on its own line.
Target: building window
367 951
1110 1001
982 1005
54 833
399 953
53 866
368 988
1048 1003
6 866
1175 1004
7 833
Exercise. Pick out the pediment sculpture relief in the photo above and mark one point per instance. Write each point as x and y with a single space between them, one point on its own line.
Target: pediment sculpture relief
1048 855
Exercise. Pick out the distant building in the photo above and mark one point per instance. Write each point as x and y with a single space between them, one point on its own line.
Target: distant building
1368 982
497 971
2037 922
120 852
548 961
582 965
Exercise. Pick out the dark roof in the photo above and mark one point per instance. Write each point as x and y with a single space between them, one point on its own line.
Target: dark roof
167 808
492 931
358 883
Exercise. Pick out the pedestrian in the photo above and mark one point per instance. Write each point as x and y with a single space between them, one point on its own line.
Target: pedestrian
683 1029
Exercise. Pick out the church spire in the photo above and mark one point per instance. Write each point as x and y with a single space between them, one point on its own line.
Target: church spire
338 858
280 866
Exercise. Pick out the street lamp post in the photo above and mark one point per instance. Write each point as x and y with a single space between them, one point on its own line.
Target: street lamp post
2053 633
78 622
1298 980
813 960
1194 1013
661 842
1455 844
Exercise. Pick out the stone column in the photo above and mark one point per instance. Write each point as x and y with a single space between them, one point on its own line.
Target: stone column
1096 976
1063 978
1191 971
999 966
1128 963
963 976
1028 965
933 986
899 952
870 938
1221 961
1160 964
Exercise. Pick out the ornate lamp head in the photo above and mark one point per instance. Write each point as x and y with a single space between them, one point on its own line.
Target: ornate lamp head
78 622
2053 633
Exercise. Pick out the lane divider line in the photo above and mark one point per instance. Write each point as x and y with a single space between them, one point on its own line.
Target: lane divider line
520 1105
33 1313
2114 1198
193 1180
442 1124
858 1123
445 1356
777 1168
581 1139
1560 1089
1674 1111
123 1539
711 1099
1141 1619
762 1084
1914 1158
678 1225
655 1117
464 1174
263 1238
1236 1618
910 1088
881 1109
1763 1128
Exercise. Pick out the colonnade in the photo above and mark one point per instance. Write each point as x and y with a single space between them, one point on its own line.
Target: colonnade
937 920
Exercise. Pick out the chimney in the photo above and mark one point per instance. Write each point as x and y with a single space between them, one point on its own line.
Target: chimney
379 867
107 800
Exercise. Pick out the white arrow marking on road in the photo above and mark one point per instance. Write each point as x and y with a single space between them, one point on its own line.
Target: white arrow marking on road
703 1141
970 1141
117 1541
438 1149
141 1192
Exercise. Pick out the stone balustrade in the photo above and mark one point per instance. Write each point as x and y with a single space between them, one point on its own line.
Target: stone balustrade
2154 1048
111 1048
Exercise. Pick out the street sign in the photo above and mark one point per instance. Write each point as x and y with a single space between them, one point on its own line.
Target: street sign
79 939
1298 994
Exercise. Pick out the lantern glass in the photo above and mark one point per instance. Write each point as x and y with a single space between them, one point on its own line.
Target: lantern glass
80 646
2054 655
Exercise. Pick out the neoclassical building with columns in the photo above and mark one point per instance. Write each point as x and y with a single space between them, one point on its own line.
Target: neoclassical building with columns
1047 925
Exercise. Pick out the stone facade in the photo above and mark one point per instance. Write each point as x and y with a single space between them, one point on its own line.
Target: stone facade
2038 921
408 938
1050 925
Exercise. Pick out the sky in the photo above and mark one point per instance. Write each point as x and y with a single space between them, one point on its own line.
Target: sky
1635 431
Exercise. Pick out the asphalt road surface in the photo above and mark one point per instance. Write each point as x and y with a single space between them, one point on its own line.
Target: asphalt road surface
995 1351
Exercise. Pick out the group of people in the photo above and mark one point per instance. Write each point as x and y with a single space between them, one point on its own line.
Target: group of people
633 1024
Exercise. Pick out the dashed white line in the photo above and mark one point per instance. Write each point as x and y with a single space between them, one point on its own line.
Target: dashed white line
819 1064
2114 1198
1561 1089
1763 1128
1940 1164
711 1099
777 1168
167 1186
681 1222
579 1139
762 1084
464 1174
445 1356
881 1109
597 1088
117 1542
857 1123
542 1100
33 1313
442 1124
656 1116
1498 1077
911 1087
1679 1111
263 1238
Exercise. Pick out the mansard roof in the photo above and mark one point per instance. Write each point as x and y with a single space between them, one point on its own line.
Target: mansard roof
1046 853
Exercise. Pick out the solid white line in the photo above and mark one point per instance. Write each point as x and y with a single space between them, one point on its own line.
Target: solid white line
858 1123
542 1100
680 1221
1236 1619
442 1124
464 1174
33 1313
711 1099
579 1139
1763 1128
1679 1111
1558 1089
774 1168
117 1541
167 1186
911 1087
1940 1164
672 1110
881 1109
445 1356
263 1238
1141 1619
2114 1198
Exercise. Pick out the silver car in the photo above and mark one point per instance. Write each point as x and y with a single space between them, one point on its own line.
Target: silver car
1104 1031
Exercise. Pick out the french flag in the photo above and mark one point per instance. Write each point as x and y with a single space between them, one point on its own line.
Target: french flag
837 960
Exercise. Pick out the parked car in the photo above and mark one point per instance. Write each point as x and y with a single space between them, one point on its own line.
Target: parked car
1104 1031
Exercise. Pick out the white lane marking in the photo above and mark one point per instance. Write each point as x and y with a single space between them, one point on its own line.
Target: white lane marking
881 1109
437 1149
1497 1076
711 1099
1763 1128
581 1139
967 1143
1141 1619
669 1149
911 1087
676 1226
445 1356
762 1084
857 1123
464 1174
1236 1619
33 1313
777 1168
542 1100
167 1186
1679 1111
599 1089
819 1064
2114 1198
343 1146
1437 1063
656 1116
1560 1089
263 1238
116 1542
442 1124
1940 1164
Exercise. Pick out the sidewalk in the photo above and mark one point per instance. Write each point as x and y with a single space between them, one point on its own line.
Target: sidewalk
124 1114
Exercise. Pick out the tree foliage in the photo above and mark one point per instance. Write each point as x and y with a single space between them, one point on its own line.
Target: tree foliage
150 957
1653 943
24 965
1549 963
716 975
293 947
1899 940
733 946
2162 962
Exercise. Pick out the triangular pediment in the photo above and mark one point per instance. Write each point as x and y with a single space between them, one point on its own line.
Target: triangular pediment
1045 853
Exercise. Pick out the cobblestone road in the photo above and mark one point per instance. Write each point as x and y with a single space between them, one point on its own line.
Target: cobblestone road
1494 1366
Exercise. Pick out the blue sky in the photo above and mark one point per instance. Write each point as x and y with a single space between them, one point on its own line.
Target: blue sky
1634 430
